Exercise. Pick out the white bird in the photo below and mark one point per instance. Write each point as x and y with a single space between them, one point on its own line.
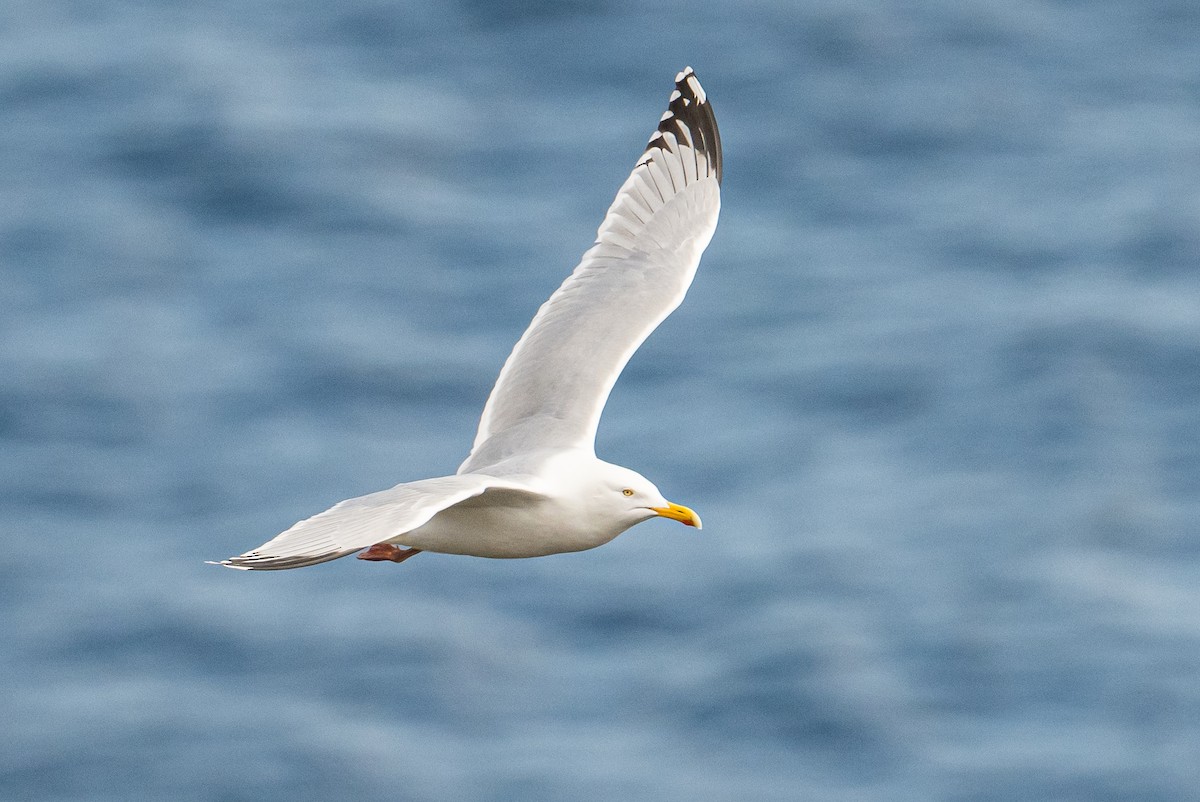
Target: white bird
532 484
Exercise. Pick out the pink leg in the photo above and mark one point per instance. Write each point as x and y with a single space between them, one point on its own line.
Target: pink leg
387 552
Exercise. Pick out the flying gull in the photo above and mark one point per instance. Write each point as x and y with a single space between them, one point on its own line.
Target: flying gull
532 484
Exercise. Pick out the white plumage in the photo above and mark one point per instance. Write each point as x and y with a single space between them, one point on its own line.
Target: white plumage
532 484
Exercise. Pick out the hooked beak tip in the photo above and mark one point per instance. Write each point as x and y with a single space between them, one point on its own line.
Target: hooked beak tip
678 512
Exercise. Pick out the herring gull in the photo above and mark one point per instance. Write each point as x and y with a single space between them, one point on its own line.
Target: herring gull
532 484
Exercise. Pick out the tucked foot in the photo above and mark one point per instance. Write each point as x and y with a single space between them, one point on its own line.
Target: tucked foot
387 552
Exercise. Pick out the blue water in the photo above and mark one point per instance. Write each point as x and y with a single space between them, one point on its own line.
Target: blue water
935 391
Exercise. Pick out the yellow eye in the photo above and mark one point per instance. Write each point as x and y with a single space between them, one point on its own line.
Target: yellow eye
627 492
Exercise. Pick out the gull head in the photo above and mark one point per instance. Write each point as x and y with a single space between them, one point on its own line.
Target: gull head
631 498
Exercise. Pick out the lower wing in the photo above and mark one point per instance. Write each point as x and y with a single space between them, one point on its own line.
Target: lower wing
357 523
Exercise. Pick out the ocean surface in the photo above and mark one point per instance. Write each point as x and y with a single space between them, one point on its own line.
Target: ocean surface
935 391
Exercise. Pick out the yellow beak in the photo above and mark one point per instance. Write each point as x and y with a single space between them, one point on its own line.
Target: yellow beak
678 512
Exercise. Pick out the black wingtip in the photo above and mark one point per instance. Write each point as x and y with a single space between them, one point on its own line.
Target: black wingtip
689 108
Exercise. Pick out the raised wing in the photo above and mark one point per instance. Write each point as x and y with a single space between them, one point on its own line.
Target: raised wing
555 383
357 523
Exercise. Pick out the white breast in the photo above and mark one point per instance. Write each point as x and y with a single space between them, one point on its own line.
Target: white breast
484 528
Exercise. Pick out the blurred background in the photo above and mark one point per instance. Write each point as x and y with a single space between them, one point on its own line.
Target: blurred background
935 391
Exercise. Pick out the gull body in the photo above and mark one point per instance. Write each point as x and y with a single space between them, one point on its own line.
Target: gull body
532 484
587 509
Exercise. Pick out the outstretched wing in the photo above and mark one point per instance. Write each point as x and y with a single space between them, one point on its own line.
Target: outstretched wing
356 523
553 387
